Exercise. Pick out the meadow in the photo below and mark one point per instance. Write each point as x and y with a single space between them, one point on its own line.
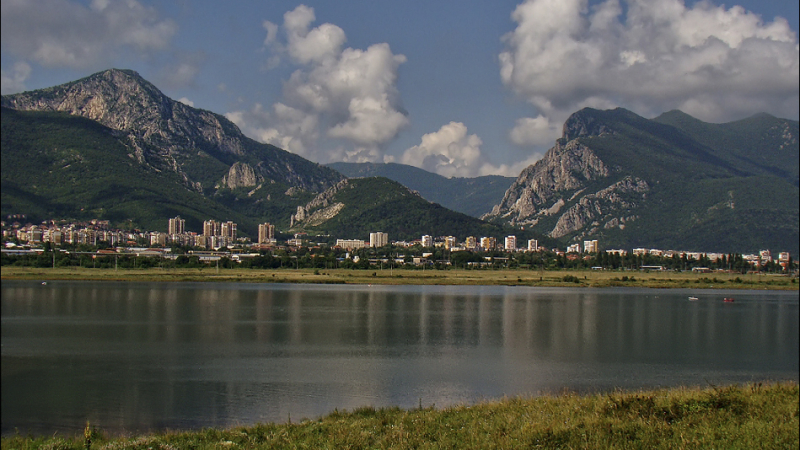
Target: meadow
507 277
763 416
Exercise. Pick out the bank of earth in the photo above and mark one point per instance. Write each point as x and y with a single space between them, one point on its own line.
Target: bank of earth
394 276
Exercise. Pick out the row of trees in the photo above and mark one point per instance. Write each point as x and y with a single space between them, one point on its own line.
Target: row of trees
389 256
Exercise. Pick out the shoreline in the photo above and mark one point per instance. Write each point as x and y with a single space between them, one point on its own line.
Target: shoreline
501 277
754 415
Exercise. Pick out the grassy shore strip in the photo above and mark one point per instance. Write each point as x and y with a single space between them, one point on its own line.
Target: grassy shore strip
507 277
763 416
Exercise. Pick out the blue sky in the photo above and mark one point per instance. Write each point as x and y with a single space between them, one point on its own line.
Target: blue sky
461 88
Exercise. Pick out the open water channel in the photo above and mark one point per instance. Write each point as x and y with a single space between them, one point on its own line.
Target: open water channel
133 357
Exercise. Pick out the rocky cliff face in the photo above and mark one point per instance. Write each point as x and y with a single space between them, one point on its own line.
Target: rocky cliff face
564 168
321 208
164 133
560 180
241 175
606 208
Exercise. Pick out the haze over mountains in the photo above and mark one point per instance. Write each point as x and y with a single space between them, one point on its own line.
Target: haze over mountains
112 146
472 196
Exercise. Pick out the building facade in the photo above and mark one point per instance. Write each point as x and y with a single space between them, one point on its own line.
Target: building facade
266 233
176 226
350 244
427 241
378 239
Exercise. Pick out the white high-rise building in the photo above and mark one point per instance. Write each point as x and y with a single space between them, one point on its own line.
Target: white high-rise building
228 229
449 242
210 228
176 226
511 243
471 243
590 246
378 239
488 243
533 245
427 241
266 233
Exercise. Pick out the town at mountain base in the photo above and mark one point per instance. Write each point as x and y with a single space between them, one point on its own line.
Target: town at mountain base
112 147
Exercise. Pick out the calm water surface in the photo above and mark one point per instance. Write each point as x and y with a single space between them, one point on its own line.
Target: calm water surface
146 356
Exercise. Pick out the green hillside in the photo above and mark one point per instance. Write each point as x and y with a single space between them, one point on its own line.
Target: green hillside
59 166
714 187
380 204
471 196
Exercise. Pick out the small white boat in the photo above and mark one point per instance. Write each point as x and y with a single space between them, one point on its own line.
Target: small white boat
693 299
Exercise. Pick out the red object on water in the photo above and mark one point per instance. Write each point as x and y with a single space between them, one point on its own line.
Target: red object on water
728 300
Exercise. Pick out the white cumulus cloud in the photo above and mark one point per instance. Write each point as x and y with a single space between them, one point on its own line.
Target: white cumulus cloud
538 131
342 93
450 152
713 62
66 33
13 81
187 102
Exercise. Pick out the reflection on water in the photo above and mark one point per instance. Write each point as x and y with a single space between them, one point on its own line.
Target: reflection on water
139 356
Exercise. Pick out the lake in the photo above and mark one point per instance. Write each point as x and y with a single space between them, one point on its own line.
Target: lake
135 357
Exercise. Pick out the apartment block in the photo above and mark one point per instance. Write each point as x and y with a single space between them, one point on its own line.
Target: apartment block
228 229
176 226
427 240
471 243
350 244
210 228
510 243
266 233
378 239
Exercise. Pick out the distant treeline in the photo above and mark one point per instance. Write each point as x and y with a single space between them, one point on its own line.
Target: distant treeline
373 258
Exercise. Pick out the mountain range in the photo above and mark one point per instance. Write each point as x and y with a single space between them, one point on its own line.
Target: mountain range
472 196
112 146
668 182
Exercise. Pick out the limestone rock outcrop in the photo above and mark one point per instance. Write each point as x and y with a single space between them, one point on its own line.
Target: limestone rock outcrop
167 135
556 185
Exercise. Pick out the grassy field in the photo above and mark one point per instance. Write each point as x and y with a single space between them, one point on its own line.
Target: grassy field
508 277
756 416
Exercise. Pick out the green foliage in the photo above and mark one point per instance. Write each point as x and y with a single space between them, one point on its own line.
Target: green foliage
713 187
470 196
380 204
749 416
59 166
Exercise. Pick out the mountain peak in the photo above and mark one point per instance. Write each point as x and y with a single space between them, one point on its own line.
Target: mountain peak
168 134
589 122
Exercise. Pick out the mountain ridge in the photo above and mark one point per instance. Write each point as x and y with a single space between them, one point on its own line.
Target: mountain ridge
672 181
470 196
165 133
112 146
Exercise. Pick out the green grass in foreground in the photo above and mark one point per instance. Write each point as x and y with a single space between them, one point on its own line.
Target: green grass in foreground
506 277
756 416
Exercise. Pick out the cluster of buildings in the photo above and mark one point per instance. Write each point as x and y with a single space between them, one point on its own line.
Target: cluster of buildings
217 235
